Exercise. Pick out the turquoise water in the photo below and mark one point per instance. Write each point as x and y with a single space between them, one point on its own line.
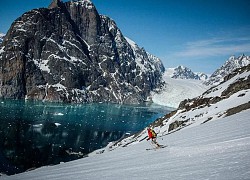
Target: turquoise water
34 134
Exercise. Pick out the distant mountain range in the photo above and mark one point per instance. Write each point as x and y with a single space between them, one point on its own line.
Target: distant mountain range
182 72
216 78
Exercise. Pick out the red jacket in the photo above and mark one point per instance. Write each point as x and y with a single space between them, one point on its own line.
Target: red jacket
150 135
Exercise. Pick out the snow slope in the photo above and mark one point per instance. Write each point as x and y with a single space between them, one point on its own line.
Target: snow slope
176 90
215 150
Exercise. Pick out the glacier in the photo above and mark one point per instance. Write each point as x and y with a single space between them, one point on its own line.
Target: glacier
176 90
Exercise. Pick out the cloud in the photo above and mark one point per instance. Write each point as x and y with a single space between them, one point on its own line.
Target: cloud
215 47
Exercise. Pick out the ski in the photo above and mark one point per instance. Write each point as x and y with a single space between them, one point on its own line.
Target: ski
161 147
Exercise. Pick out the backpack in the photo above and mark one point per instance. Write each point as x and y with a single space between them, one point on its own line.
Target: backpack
154 135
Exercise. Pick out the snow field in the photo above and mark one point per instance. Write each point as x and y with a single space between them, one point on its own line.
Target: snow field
177 90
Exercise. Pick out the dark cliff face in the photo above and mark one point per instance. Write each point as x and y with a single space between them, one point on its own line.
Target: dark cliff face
70 53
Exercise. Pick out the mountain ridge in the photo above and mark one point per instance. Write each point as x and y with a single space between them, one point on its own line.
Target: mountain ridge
228 67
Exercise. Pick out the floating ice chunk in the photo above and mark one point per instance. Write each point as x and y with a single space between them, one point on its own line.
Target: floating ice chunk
58 114
57 124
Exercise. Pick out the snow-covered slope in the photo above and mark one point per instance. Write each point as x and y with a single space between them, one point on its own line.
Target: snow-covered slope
229 66
182 72
216 150
176 90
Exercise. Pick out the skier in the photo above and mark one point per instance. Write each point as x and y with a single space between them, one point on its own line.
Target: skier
152 135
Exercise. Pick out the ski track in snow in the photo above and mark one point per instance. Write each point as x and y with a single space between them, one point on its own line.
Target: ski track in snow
214 150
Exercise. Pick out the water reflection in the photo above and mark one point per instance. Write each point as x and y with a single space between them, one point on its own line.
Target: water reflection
33 134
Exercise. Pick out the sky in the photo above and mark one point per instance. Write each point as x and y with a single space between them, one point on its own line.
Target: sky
198 34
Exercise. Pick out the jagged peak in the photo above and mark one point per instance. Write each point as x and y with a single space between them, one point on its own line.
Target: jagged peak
233 57
55 4
86 3
182 67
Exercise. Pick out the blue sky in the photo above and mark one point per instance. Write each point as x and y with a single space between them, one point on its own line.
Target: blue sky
198 34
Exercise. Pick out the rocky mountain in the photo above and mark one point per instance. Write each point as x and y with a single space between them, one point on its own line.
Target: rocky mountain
68 52
182 72
1 37
229 66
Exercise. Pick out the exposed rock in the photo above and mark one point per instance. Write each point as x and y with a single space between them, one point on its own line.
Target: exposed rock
238 109
159 121
188 104
241 84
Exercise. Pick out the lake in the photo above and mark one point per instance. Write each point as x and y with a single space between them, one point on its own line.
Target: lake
34 134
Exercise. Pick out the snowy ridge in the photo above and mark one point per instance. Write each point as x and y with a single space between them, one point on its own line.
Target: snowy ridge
132 43
145 64
229 66
156 62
